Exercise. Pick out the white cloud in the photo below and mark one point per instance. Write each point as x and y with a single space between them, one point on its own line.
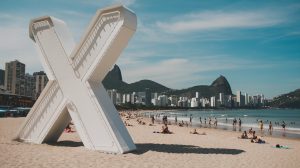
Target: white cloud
215 20
16 44
178 72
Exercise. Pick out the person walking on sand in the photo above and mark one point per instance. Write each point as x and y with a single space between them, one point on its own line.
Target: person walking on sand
191 118
200 121
175 119
240 122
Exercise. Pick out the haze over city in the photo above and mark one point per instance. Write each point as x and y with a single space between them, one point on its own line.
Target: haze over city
254 44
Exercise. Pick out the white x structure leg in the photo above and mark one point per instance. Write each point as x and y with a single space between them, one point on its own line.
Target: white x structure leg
75 89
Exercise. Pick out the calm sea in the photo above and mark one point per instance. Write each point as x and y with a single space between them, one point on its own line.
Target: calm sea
249 119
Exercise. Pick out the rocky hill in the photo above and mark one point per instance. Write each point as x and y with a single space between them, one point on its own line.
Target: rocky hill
220 85
113 80
289 100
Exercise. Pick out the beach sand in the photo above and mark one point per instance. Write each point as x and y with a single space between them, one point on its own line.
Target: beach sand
216 149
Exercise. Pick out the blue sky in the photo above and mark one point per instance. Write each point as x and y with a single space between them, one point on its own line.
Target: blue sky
254 44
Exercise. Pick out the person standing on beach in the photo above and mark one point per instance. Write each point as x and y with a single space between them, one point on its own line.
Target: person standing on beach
176 119
283 125
270 127
191 118
261 125
200 121
216 122
152 119
240 122
205 121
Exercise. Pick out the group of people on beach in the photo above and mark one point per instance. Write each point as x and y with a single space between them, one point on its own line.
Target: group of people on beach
209 121
252 136
126 116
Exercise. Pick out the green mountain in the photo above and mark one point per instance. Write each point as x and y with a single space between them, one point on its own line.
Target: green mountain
113 80
220 85
142 84
289 100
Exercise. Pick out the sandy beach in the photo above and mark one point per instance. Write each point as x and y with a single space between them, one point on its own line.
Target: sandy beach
181 149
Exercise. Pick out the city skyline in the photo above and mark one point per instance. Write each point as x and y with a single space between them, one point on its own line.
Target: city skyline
255 45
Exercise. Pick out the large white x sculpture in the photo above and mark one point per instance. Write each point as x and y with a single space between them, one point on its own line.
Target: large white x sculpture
74 90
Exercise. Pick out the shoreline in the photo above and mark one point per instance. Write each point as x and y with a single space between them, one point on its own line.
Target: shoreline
277 132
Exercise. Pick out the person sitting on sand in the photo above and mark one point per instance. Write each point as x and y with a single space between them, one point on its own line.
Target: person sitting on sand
258 140
68 129
254 136
244 135
165 129
127 124
250 131
194 131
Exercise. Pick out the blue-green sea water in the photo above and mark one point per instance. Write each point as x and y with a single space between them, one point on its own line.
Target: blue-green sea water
249 118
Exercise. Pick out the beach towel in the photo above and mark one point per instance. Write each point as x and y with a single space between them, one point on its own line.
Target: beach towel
281 147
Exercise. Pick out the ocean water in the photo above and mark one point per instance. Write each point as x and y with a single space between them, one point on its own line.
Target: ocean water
249 118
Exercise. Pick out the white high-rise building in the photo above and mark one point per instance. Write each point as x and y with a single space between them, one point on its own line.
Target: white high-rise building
118 98
262 99
197 95
113 95
141 98
246 99
126 98
213 101
204 102
173 100
163 100
221 98
133 98
228 101
194 102
238 97
155 102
